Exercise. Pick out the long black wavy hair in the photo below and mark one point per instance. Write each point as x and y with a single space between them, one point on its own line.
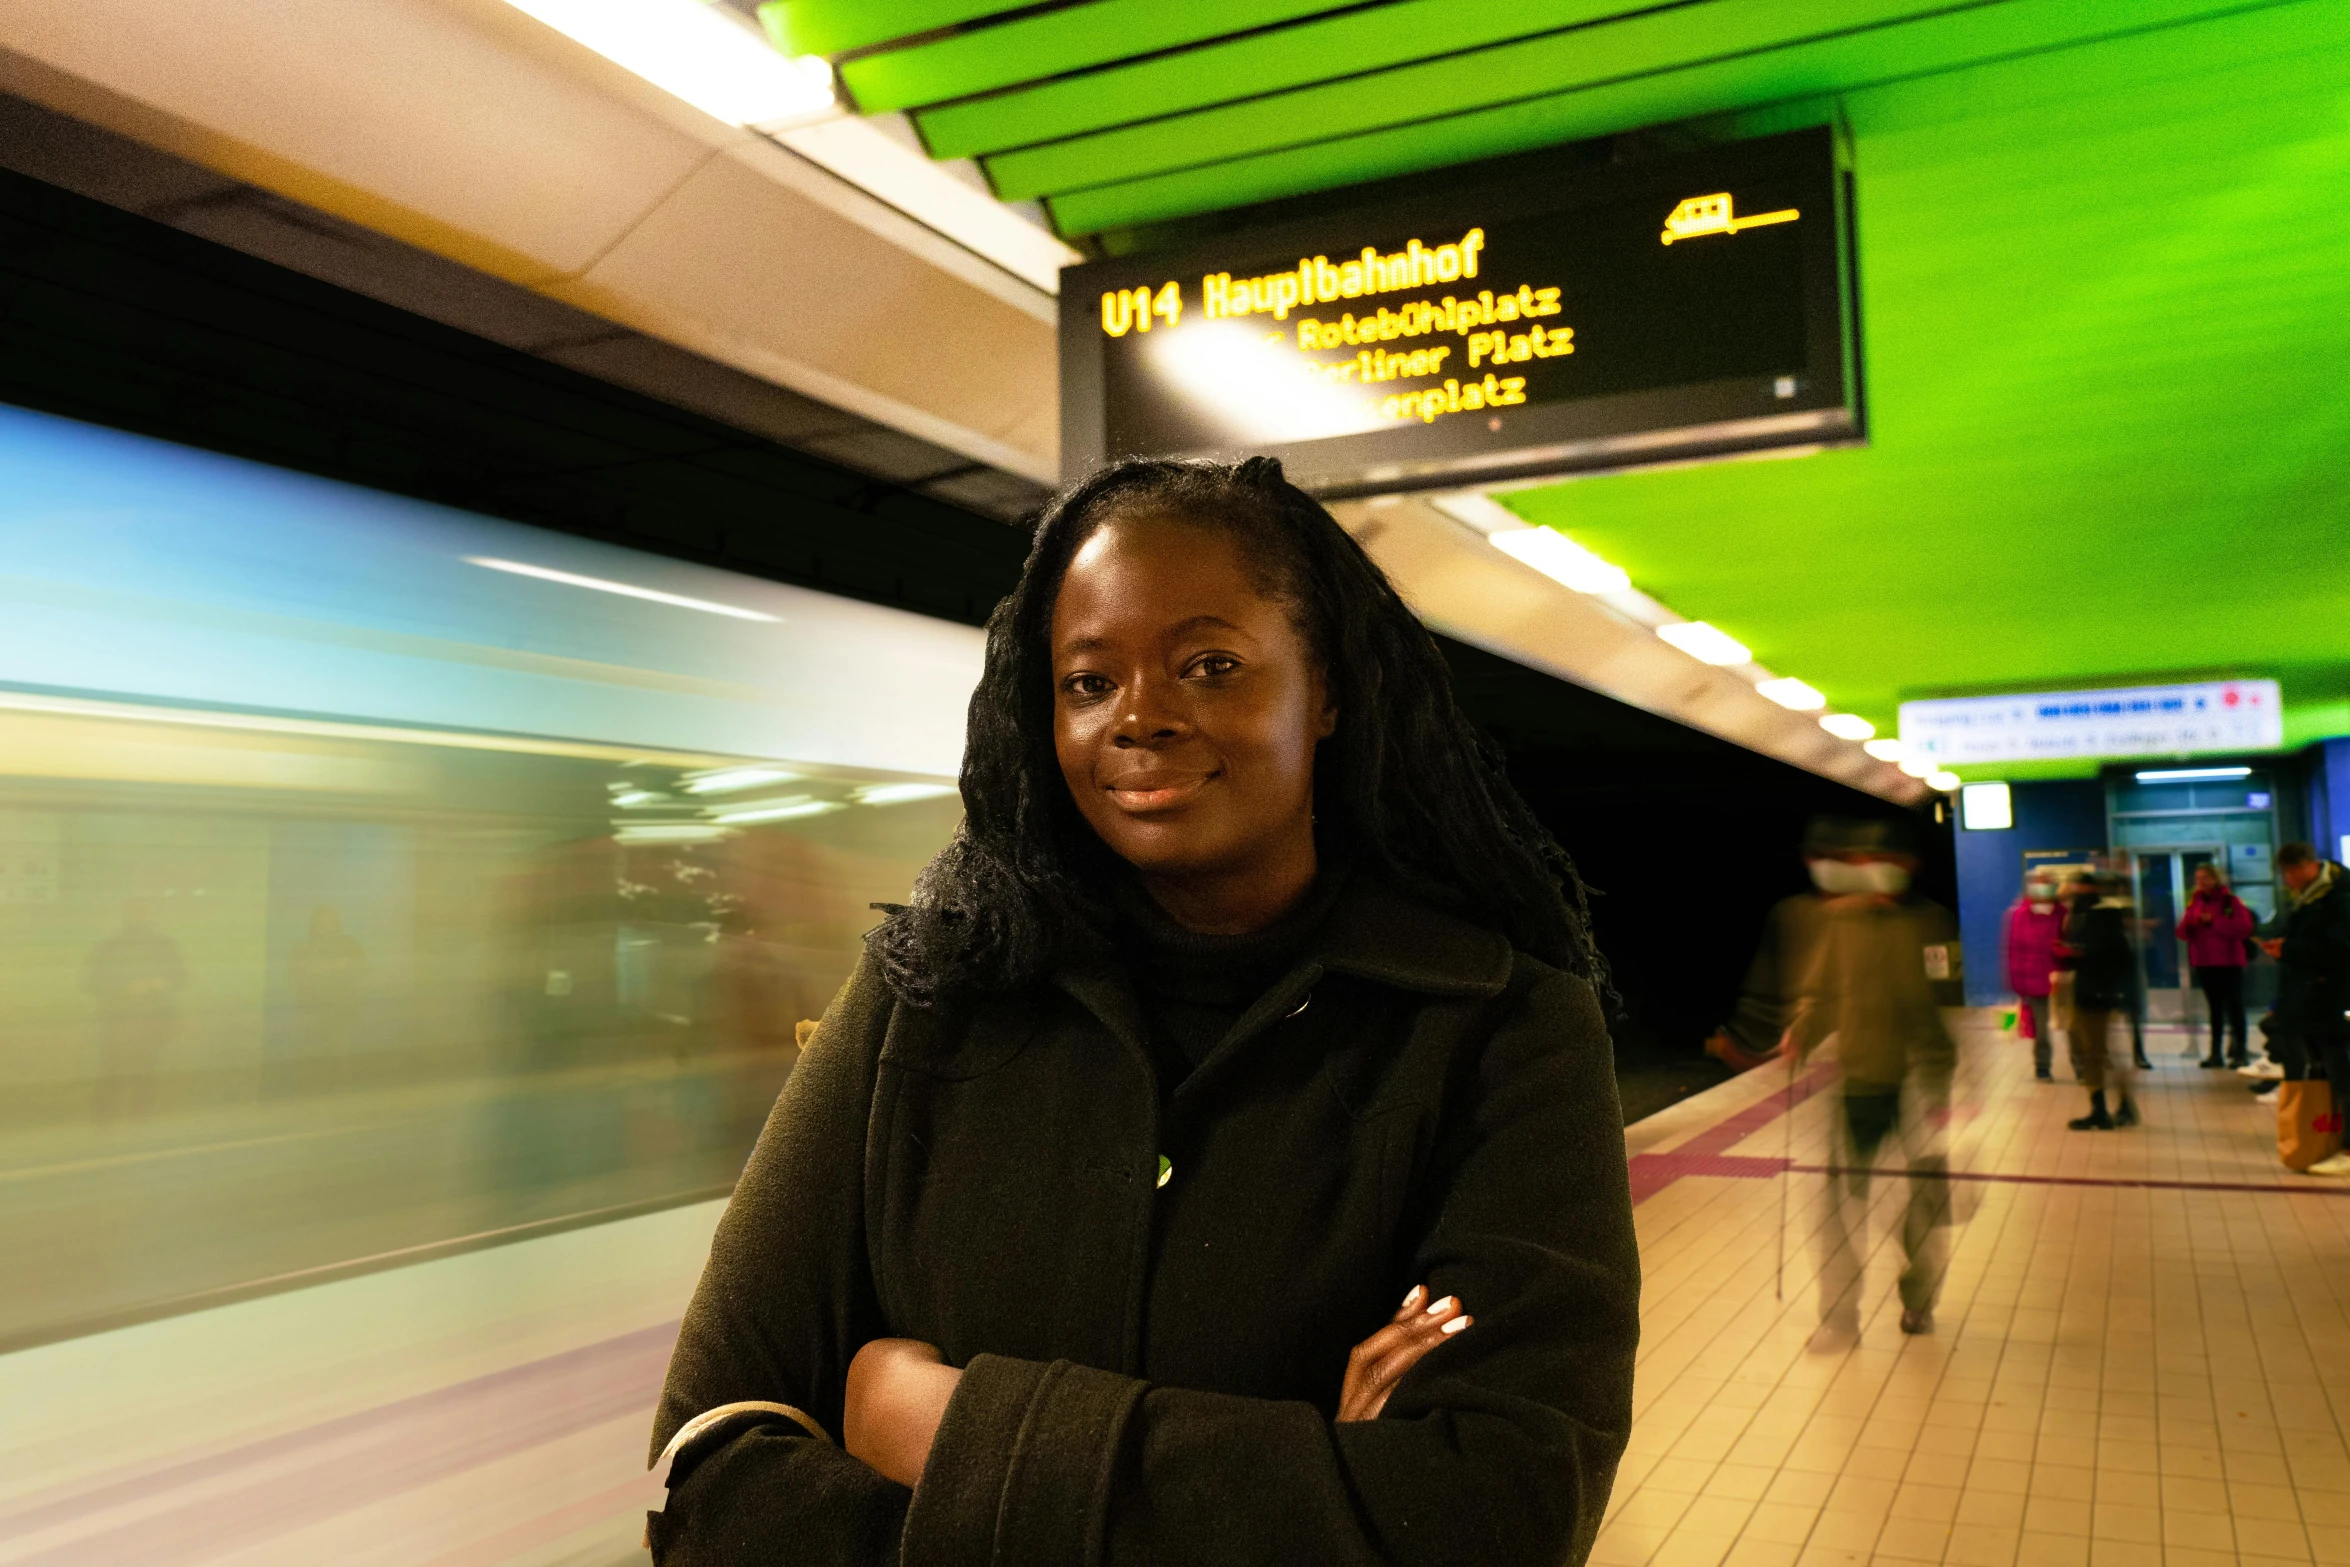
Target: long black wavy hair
1406 788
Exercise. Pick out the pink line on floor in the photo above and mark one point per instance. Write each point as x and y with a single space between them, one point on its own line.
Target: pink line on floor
2144 1182
1704 1154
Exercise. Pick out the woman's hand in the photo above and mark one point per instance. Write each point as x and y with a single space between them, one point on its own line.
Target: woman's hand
1380 1361
897 1394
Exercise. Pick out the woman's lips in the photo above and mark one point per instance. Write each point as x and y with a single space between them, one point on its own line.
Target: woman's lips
1156 793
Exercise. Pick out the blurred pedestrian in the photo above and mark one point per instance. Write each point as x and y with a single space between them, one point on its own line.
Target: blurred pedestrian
2105 965
1867 985
2313 990
135 976
2215 928
2034 926
1767 998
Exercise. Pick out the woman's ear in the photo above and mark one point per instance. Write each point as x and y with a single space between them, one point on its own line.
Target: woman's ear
1326 721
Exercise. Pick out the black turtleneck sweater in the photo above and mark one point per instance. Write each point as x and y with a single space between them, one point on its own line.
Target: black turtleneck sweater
1191 988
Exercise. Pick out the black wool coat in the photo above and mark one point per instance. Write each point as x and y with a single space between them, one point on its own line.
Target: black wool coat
1152 1354
2314 989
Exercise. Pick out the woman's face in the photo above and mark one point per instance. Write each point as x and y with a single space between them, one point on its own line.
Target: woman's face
1186 707
2206 879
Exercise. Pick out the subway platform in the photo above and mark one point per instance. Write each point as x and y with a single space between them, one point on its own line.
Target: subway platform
2138 1358
2140 1354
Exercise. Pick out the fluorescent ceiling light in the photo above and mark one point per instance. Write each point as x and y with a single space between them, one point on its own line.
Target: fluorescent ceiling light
1919 766
669 832
698 52
1944 781
780 810
1790 692
734 780
624 589
1563 560
1706 644
1848 726
902 793
2192 774
629 797
1985 807
1887 750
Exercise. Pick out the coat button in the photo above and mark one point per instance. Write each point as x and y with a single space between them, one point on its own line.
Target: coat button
1166 1169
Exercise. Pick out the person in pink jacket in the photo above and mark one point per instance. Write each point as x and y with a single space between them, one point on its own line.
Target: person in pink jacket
2033 926
2215 928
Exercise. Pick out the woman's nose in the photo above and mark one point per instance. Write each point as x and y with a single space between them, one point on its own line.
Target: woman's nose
1146 716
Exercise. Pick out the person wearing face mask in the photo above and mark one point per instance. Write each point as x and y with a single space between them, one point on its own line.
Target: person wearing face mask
1867 985
1757 1027
2034 926
2215 929
2105 968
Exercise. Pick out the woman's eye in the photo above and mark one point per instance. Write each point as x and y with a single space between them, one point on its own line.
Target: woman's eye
1214 665
1085 685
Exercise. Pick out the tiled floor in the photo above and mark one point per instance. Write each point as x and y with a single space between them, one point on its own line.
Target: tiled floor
2141 1355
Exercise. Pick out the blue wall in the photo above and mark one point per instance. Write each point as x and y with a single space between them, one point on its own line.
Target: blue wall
2062 815
2329 796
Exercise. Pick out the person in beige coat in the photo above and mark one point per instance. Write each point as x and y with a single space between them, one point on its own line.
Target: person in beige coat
1867 986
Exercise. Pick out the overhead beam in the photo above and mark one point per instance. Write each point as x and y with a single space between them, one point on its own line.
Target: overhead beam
467 129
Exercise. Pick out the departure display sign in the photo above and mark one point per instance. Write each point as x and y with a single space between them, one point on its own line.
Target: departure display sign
1533 317
2182 720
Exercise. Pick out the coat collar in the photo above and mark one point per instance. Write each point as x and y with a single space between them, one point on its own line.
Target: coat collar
1376 932
2328 877
1379 932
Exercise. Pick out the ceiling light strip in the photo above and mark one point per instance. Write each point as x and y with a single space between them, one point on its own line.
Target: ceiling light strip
1574 566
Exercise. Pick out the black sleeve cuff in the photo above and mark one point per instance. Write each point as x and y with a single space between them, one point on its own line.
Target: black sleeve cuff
1021 1467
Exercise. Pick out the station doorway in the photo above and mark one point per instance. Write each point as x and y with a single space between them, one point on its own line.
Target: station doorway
2164 832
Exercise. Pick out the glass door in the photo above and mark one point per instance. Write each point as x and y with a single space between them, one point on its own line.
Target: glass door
2163 880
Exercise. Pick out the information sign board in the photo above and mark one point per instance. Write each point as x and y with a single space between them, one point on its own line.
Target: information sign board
2181 720
1533 317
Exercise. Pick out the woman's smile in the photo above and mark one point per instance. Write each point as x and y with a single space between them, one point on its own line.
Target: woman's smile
1139 794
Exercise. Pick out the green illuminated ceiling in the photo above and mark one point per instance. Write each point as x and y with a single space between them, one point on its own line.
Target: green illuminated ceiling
2104 260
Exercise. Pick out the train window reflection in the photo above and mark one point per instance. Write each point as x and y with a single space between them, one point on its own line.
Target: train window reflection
278 997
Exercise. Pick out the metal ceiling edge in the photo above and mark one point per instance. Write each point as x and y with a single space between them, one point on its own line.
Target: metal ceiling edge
1463 588
881 157
453 126
787 159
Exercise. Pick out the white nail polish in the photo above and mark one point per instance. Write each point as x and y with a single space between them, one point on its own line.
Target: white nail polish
1412 1299
1441 1307
1454 1326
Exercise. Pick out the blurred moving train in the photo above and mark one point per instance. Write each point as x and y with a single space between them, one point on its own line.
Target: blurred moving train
378 879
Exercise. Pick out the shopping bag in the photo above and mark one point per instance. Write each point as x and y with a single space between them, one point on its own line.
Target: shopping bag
2023 1023
2309 1128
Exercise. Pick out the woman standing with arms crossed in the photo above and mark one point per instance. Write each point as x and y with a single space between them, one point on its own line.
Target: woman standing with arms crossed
1249 1000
